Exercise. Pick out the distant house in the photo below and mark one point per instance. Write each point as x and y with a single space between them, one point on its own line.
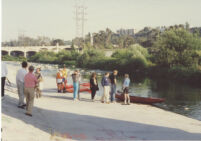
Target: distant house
126 32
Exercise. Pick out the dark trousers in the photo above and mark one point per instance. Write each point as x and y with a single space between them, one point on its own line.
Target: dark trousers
3 79
93 93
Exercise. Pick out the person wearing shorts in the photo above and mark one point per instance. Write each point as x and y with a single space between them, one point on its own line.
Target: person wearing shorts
64 80
40 79
125 89
59 80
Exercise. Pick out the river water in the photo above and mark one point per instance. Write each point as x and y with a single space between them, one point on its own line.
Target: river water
179 98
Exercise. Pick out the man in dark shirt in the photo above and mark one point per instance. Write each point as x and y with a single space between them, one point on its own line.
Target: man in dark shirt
113 81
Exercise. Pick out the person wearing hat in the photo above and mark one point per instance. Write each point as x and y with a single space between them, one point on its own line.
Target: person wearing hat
40 79
59 80
30 82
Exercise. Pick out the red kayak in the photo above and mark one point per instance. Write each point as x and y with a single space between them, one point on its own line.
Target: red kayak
84 87
137 99
82 84
70 90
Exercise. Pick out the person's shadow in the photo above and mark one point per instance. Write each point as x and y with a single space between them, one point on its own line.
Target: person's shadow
85 127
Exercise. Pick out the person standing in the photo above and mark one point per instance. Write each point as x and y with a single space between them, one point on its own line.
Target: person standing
20 84
106 86
126 84
4 72
75 78
93 85
113 81
30 82
59 78
79 78
38 85
64 81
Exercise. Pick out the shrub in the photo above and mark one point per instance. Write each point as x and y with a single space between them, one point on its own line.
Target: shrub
12 58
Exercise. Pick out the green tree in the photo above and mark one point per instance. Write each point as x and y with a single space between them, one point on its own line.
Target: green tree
89 56
57 41
177 47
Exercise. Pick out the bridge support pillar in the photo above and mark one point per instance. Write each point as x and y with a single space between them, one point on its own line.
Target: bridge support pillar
9 53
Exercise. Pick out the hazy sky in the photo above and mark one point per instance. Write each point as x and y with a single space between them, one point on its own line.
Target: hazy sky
56 18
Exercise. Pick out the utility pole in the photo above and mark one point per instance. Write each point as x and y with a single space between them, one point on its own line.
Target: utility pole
80 14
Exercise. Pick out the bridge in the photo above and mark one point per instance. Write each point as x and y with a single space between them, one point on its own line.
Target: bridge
28 51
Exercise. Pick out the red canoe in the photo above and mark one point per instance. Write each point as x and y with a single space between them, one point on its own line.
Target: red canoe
82 84
70 90
84 87
137 99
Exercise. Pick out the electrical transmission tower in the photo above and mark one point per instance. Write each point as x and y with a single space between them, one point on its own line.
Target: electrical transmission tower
80 14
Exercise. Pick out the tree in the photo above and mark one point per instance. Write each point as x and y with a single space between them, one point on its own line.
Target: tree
148 36
128 40
57 41
177 47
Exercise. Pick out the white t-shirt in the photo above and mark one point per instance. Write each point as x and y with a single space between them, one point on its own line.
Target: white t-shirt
4 70
21 74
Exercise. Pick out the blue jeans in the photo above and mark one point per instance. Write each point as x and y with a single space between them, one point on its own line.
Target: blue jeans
112 92
75 87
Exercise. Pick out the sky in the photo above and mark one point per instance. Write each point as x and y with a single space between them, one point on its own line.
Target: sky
56 18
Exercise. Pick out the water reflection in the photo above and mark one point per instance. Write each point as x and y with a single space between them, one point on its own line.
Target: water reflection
179 98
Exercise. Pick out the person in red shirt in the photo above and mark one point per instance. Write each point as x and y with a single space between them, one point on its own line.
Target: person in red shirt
30 82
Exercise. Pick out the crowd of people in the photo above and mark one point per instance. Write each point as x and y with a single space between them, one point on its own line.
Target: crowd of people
108 82
29 85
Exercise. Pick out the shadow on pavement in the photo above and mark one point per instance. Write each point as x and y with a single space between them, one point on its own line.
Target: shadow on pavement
85 127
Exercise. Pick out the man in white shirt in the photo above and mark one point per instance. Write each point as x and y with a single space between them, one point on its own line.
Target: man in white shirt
20 84
4 72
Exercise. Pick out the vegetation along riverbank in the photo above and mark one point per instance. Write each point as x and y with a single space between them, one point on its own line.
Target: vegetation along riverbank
174 55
